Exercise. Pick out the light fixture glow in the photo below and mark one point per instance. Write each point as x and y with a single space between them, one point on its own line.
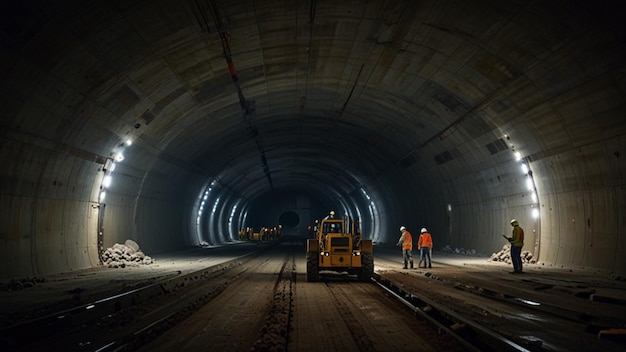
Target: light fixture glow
129 142
119 157
112 167
529 183
518 156
102 196
535 213
524 168
106 181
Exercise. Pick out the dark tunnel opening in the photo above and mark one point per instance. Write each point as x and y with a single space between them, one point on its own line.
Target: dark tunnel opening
289 219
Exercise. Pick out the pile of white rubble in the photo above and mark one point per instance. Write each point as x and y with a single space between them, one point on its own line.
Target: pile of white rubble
123 255
504 255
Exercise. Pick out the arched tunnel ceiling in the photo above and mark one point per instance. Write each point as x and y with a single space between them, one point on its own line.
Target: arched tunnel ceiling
334 86
316 96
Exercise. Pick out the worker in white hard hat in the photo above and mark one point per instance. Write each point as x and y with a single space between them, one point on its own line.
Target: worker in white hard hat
425 246
517 242
406 241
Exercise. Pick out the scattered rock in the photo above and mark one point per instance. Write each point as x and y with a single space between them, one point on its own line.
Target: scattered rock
20 284
461 251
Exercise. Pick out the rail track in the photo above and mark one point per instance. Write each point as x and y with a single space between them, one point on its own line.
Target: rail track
485 318
138 318
127 320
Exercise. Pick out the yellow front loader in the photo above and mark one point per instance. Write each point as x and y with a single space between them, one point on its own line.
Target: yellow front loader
339 247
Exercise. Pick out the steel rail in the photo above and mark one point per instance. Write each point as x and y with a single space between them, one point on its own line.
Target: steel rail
471 335
79 317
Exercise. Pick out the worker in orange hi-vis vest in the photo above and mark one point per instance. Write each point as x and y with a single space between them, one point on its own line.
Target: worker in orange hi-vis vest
406 241
425 246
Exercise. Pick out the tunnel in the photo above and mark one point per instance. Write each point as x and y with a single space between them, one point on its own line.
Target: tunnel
177 123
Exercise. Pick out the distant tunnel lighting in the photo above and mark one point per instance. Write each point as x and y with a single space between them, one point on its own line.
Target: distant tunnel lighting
215 205
102 196
129 142
534 197
119 157
449 207
106 182
518 156
535 213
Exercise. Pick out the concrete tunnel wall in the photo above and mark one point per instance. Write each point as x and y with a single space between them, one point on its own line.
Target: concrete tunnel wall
430 137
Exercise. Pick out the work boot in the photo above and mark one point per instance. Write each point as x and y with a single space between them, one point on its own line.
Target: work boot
411 264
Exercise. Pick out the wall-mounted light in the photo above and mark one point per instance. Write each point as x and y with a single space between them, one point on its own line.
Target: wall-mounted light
534 213
529 183
102 196
524 168
119 157
518 156
106 182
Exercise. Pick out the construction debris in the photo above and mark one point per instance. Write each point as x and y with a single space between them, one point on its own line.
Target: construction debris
504 255
123 255
461 251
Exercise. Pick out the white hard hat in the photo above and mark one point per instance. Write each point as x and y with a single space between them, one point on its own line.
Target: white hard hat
402 228
423 230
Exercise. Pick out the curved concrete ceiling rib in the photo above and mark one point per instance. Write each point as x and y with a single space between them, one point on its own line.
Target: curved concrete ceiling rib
420 103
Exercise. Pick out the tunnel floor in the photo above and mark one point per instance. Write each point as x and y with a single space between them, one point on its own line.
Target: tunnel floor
99 281
583 292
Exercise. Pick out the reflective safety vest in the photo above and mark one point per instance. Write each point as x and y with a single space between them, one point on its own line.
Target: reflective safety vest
425 241
518 237
408 241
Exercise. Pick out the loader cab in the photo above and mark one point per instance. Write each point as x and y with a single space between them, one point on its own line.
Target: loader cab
336 226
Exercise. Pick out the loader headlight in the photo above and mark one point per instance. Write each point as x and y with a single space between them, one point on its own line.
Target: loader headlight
326 254
356 253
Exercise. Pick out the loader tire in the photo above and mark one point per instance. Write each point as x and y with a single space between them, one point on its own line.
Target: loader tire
367 267
312 267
